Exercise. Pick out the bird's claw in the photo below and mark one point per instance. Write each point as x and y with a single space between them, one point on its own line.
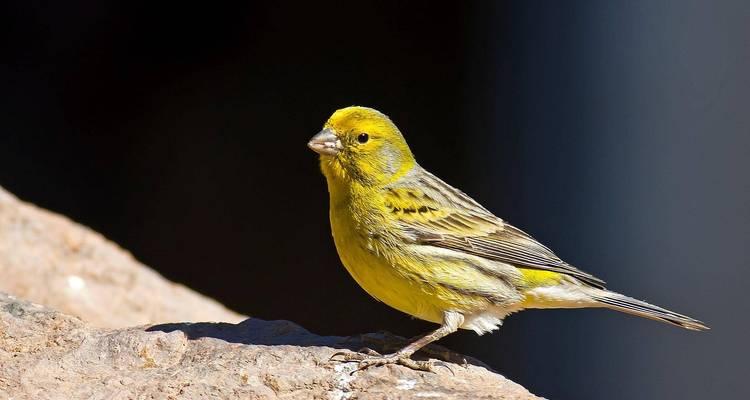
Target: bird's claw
398 359
389 342
446 366
348 356
366 358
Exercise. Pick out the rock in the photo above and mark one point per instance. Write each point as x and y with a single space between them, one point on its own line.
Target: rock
48 259
45 354
114 354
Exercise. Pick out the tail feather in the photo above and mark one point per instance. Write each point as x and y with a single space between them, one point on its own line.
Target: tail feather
618 302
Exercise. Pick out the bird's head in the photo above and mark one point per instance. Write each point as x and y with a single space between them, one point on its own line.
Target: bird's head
362 145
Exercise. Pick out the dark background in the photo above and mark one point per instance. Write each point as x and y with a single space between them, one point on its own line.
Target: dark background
617 133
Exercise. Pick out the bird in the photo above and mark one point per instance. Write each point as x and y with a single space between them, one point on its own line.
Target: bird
427 249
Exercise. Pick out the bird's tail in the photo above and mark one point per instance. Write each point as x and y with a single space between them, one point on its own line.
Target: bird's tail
618 302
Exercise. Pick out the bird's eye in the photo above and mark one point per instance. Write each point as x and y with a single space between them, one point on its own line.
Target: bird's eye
363 138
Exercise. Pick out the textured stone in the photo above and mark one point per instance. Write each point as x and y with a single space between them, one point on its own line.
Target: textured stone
45 354
48 259
119 354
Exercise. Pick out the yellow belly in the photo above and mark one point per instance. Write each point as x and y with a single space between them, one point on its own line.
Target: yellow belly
409 285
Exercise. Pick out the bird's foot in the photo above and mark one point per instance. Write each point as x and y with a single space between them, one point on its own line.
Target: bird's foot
387 341
367 358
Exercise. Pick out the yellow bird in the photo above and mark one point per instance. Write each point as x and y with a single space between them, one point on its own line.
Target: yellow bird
427 249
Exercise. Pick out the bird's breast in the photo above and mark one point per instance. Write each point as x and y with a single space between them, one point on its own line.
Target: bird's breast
379 265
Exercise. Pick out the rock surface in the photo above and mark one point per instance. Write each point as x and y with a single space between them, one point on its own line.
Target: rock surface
45 354
48 354
48 259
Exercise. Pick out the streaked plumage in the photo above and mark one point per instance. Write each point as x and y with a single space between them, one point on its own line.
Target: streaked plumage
425 248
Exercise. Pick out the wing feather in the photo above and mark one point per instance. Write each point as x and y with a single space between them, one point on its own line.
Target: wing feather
441 216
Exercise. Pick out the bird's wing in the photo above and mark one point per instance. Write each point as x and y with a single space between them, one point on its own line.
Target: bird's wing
434 213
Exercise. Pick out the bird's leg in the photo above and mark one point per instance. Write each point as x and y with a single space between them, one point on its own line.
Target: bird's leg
388 342
368 358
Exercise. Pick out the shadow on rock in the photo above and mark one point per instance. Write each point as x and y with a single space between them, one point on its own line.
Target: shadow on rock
254 331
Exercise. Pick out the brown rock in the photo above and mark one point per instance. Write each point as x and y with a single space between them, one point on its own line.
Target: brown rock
48 259
45 354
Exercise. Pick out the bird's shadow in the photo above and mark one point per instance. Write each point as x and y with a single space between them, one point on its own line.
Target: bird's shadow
254 331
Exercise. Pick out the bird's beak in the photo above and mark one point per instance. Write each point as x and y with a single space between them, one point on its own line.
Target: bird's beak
325 143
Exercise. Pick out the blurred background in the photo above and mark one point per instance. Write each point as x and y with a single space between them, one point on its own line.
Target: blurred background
617 133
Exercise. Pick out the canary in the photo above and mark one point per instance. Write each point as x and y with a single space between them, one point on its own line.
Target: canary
427 249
